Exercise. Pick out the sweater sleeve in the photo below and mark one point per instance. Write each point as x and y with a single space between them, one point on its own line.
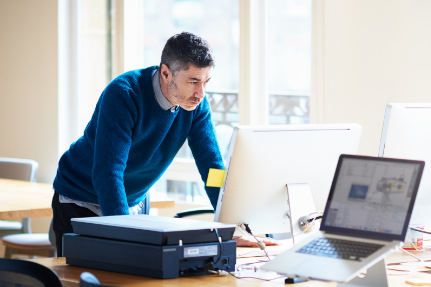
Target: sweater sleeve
203 144
116 118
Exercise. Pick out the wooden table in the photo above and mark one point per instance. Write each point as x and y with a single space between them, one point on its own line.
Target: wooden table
69 276
398 273
20 199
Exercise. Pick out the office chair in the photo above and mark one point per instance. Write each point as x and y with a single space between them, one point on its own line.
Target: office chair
24 242
192 212
15 272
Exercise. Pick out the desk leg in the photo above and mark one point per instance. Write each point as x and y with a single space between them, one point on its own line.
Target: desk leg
376 276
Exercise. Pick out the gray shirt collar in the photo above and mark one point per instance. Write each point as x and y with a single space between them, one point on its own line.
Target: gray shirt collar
160 98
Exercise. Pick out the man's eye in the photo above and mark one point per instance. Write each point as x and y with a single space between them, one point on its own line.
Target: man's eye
193 83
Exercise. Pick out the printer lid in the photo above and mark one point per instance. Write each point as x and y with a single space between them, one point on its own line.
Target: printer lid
157 230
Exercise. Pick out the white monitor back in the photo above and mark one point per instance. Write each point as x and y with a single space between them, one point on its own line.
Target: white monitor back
406 134
263 159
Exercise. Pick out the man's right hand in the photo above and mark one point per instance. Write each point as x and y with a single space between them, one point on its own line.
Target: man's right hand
250 241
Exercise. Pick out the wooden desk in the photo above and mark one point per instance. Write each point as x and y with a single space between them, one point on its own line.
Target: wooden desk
70 275
162 203
20 199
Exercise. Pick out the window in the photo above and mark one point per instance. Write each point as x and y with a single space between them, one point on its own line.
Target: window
289 63
155 21
147 24
84 64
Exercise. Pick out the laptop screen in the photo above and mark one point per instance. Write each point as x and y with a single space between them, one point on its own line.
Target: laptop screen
372 197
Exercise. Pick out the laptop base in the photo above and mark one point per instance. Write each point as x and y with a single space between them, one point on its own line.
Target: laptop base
376 276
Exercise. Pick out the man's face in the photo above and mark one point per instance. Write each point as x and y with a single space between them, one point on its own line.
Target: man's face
187 87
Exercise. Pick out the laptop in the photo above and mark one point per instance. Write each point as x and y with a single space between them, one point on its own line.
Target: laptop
366 216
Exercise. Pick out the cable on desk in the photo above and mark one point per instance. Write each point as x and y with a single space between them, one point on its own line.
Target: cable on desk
252 277
261 245
211 267
242 267
420 230
239 268
218 272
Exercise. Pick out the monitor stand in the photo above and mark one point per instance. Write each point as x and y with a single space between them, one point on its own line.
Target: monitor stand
301 207
376 276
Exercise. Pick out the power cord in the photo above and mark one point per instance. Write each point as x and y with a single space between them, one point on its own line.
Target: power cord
219 240
306 223
218 272
260 244
418 229
212 265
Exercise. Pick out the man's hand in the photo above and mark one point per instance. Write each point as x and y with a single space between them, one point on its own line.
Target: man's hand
250 241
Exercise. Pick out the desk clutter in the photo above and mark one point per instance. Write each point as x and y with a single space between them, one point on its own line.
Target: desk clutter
153 246
369 202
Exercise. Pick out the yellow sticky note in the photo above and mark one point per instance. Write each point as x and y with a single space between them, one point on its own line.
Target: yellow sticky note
216 177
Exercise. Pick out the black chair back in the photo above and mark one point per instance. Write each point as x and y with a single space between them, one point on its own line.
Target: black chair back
22 273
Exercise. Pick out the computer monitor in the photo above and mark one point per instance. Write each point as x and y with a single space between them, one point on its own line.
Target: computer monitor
263 159
406 133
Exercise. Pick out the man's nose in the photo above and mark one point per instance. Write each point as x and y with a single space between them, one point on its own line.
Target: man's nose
200 91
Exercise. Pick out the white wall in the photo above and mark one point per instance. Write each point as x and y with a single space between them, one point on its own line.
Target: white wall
28 82
368 53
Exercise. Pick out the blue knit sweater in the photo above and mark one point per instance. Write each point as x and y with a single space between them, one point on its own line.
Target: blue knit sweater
128 144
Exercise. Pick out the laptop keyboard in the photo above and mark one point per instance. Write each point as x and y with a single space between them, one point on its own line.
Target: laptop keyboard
338 248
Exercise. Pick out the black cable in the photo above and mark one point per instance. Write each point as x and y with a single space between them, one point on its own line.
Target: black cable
314 218
420 230
220 247
260 243
247 228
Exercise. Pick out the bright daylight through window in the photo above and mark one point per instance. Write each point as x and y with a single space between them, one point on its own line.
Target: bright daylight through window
147 24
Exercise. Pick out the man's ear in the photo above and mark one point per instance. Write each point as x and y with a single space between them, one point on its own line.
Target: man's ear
165 72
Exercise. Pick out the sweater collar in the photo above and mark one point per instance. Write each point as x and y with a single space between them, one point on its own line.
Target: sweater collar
160 98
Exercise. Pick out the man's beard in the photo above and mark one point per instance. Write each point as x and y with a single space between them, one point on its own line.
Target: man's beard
172 85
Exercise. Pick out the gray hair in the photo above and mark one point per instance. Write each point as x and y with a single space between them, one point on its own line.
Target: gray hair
184 49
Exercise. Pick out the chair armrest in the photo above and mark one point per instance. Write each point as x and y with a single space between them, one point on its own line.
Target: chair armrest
190 212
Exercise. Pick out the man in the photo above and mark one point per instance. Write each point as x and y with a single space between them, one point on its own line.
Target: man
141 120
